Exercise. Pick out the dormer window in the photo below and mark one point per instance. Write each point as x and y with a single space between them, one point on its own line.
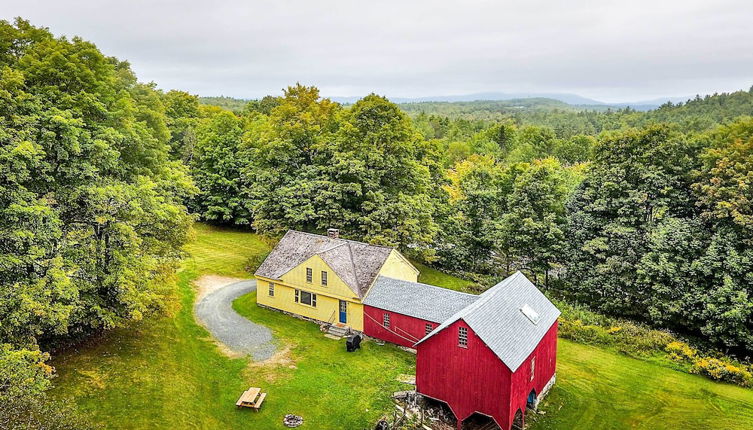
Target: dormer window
309 275
463 337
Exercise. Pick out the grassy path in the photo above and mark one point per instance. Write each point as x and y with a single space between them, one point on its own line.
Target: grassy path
166 373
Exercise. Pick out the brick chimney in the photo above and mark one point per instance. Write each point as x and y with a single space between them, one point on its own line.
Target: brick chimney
333 233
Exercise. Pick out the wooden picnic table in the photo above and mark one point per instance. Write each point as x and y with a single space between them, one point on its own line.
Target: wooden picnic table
251 398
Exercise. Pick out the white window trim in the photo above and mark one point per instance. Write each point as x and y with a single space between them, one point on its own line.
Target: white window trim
386 320
463 337
299 298
309 275
271 291
325 278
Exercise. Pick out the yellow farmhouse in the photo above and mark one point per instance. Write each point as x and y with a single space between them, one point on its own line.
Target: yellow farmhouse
324 277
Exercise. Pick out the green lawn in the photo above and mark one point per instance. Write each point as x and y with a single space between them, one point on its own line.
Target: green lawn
600 389
165 373
432 276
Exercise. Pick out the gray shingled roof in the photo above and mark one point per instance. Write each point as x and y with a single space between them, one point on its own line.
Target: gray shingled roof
496 317
417 300
356 263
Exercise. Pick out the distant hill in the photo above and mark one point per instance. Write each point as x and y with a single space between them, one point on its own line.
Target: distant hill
572 99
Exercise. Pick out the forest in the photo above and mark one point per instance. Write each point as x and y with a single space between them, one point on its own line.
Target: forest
639 215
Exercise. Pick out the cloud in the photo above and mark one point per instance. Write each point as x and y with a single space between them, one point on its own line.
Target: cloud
608 50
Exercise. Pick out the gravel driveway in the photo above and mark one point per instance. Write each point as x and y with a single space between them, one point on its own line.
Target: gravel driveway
215 312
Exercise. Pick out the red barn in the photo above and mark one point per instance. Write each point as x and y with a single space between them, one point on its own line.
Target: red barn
494 356
403 312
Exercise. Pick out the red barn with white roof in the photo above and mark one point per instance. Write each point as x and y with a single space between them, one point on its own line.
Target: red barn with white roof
494 356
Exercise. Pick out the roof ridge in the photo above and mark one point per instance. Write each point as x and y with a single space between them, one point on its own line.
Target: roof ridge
429 285
355 268
341 239
482 299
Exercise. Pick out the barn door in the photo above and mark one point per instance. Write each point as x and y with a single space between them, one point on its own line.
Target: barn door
343 311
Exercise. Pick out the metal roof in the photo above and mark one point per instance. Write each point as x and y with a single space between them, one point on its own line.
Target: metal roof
356 263
498 318
417 300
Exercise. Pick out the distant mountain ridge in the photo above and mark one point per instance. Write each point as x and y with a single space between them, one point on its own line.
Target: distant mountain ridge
571 99
574 100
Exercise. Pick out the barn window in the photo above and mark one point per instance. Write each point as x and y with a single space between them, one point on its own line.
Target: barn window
271 289
463 337
429 328
309 274
297 293
306 298
324 278
533 367
386 319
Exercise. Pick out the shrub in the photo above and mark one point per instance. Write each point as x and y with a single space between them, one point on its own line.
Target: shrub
723 370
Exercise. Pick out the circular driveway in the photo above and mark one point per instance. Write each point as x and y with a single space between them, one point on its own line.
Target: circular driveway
215 312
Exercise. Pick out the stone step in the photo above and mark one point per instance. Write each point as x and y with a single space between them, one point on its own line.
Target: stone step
338 331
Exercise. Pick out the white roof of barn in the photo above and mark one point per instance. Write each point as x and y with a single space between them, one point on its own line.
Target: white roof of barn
356 263
417 300
511 318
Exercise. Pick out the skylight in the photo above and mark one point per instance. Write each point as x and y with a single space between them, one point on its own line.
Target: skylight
530 313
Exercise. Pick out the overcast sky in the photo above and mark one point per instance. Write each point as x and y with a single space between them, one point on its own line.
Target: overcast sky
612 51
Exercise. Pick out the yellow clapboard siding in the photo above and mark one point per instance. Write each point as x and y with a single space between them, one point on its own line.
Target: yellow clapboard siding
327 307
396 266
328 296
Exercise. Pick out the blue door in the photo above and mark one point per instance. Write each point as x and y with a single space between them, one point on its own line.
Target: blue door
343 311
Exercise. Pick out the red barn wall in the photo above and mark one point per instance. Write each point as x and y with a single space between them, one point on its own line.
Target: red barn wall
469 380
402 331
546 365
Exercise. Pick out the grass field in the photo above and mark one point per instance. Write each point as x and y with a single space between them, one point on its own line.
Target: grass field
165 373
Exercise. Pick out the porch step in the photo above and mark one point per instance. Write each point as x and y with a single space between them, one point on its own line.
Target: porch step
338 330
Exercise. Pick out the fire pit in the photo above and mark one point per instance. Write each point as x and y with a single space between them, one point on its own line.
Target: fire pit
291 420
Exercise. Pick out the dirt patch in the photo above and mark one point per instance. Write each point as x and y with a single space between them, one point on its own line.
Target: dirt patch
210 283
270 368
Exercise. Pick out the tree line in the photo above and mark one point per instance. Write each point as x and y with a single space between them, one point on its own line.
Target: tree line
101 177
650 222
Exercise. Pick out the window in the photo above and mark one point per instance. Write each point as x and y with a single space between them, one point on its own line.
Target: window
324 278
463 337
305 298
533 367
429 328
271 289
386 320
309 274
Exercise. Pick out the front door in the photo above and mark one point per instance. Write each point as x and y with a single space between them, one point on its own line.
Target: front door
343 311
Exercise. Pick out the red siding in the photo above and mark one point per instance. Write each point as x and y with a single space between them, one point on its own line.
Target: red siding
469 380
546 365
474 379
402 331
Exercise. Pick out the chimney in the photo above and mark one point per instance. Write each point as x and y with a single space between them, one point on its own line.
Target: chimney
333 233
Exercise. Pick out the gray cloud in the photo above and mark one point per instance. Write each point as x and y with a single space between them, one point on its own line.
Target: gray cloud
608 50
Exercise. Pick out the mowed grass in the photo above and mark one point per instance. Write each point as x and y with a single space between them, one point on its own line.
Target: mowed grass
166 373
600 389
432 276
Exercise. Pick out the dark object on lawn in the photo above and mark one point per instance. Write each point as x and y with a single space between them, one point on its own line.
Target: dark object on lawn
291 420
353 342
382 425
